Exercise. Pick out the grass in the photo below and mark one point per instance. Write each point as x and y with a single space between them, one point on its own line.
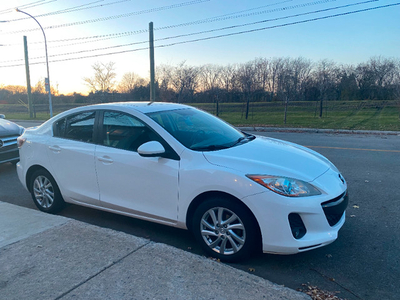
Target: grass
350 115
368 118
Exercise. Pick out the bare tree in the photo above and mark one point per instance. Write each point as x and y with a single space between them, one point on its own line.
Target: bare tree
14 89
103 79
184 79
326 76
228 77
396 86
262 73
163 78
210 82
209 77
128 82
375 76
384 69
39 87
301 72
347 84
247 82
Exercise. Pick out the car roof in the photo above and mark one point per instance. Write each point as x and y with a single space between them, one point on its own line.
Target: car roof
143 107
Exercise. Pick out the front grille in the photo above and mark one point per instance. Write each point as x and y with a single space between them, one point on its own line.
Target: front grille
8 141
335 208
9 148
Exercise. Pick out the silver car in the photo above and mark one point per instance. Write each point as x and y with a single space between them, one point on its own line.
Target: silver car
9 132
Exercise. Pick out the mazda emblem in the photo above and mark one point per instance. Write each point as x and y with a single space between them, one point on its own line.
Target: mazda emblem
1 143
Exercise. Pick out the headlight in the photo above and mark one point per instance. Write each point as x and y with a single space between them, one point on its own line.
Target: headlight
286 186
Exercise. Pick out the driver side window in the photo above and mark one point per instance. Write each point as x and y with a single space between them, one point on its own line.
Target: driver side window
124 132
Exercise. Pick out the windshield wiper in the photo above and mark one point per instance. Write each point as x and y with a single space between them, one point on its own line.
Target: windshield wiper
210 148
247 138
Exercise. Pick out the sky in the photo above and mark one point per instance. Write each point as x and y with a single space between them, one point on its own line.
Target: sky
80 33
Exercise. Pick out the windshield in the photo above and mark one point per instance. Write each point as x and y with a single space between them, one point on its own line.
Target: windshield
198 130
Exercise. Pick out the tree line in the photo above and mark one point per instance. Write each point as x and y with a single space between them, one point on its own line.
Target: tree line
262 79
282 79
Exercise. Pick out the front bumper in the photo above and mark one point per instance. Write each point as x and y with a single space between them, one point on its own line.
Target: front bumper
293 225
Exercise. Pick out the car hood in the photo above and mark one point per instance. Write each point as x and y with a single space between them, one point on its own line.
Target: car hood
268 156
8 128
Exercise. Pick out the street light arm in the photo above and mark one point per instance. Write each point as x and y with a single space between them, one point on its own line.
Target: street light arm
18 10
44 35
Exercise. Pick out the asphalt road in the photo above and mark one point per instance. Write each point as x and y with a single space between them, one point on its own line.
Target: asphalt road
362 264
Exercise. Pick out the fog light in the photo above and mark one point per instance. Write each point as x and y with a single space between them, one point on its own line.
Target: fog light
297 226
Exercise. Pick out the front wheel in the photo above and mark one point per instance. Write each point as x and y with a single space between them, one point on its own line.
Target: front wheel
45 192
225 229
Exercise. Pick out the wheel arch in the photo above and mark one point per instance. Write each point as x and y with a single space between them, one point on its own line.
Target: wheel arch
29 173
203 196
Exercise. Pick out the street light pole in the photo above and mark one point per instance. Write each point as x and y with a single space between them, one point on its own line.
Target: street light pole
47 80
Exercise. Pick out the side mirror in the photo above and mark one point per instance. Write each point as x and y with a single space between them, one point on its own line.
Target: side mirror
2 116
151 149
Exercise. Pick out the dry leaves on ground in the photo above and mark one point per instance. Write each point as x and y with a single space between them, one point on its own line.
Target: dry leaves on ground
318 294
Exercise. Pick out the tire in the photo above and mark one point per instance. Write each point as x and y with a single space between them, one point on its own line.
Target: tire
45 192
225 229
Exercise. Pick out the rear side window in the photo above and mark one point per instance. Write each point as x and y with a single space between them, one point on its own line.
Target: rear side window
78 127
59 128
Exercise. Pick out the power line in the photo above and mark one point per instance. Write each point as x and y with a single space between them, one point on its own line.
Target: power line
219 36
206 31
74 9
30 5
117 35
280 9
207 20
270 20
95 37
250 9
278 26
146 11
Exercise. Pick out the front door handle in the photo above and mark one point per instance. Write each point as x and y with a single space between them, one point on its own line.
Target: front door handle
106 159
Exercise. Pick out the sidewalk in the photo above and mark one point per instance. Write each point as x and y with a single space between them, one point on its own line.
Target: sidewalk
45 256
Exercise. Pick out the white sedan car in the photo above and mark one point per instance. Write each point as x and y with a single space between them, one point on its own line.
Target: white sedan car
179 166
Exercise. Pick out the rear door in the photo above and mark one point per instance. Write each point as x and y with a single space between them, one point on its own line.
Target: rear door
71 155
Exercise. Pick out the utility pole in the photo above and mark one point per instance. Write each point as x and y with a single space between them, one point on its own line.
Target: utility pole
152 75
28 79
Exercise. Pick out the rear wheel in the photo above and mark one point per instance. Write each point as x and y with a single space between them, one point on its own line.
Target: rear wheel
225 229
45 192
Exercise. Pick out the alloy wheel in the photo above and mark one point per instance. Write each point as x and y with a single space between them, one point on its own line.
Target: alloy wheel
43 191
222 231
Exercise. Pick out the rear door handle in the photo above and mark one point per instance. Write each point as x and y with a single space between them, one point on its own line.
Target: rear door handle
106 159
56 149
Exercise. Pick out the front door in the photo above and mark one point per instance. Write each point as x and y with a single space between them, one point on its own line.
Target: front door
128 182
